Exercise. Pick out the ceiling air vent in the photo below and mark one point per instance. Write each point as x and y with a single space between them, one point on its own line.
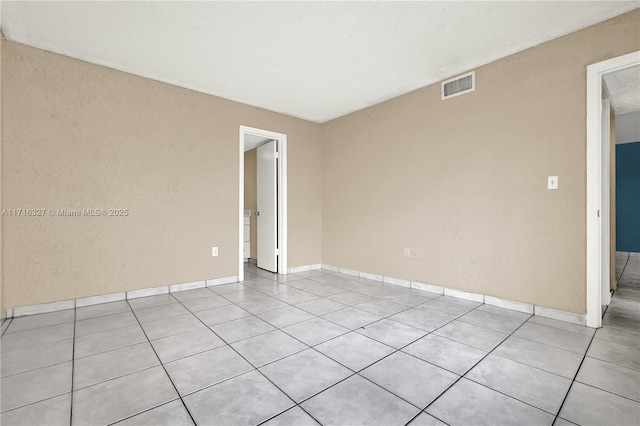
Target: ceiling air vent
459 85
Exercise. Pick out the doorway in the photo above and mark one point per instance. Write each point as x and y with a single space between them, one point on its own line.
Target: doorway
271 217
599 228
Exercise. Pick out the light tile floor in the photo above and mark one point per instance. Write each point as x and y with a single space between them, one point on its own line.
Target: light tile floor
318 348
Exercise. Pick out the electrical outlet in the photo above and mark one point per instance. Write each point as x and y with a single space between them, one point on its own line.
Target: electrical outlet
416 254
214 251
407 252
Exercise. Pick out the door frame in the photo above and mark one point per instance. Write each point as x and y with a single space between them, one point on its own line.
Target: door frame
598 191
282 196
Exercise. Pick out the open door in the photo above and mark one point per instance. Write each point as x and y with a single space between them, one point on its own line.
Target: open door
267 203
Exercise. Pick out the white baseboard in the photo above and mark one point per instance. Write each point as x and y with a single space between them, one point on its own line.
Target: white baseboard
560 315
527 308
427 287
372 277
396 281
297 269
330 268
475 297
351 272
61 305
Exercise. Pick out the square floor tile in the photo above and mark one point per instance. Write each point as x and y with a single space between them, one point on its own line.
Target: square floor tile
25 339
240 329
196 293
54 411
504 312
352 318
422 319
104 323
407 299
268 347
424 419
262 305
117 399
227 288
412 379
321 306
274 289
491 321
350 298
357 401
528 384
555 337
205 369
108 341
296 296
469 403
445 353
548 358
381 307
244 296
562 325
325 290
150 301
304 374
285 316
186 344
471 335
34 357
626 356
109 365
293 416
609 377
586 405
248 399
170 414
620 336
30 322
392 333
170 326
33 386
222 314
161 312
102 309
354 350
438 305
314 331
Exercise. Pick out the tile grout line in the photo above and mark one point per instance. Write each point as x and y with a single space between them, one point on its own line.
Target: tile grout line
237 375
574 379
163 367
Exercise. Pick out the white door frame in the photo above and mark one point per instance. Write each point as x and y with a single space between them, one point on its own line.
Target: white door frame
598 191
282 196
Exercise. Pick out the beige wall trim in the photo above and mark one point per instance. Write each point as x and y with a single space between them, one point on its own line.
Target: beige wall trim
476 297
305 268
114 297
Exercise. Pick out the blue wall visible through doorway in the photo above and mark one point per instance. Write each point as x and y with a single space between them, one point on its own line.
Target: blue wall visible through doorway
628 197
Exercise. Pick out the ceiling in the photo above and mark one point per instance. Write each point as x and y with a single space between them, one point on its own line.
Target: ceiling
624 89
313 60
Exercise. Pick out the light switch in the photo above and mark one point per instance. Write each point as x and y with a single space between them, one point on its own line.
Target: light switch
552 182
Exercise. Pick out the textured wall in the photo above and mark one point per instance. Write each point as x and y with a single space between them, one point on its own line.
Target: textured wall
78 135
463 181
251 196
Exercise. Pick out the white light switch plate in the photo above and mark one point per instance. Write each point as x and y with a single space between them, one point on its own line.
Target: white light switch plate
552 182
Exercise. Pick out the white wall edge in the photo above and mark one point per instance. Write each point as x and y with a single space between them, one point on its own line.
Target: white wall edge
396 281
560 315
187 286
475 297
370 276
316 266
104 298
427 287
144 292
224 280
527 308
43 308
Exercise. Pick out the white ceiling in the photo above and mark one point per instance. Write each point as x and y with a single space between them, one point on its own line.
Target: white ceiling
624 89
314 60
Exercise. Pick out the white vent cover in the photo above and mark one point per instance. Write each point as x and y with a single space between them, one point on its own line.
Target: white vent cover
459 85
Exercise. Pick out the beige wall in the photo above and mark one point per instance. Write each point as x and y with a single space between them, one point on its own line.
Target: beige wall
78 135
463 181
251 196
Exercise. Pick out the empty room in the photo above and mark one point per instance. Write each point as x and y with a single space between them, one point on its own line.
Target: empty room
320 213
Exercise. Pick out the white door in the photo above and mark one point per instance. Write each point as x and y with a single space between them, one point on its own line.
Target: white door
266 173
